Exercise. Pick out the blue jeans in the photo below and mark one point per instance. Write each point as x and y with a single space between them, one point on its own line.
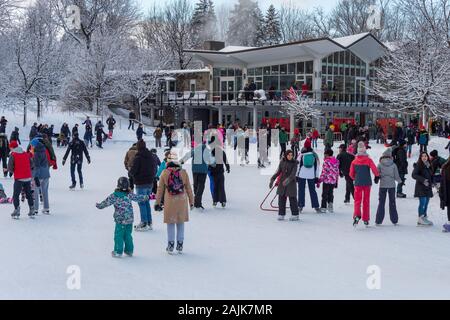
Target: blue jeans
423 206
144 207
409 148
171 231
314 143
312 193
79 166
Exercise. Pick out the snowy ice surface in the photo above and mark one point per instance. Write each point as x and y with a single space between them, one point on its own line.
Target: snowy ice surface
238 252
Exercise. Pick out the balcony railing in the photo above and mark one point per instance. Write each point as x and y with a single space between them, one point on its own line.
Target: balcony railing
263 97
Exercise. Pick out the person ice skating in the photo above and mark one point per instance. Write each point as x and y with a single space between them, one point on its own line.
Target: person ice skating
448 145
283 139
140 132
329 179
422 139
308 172
33 131
400 159
410 138
295 144
87 122
174 185
111 122
157 134
3 197
389 174
41 175
88 136
66 132
75 130
328 141
345 160
444 193
4 153
423 188
122 199
20 165
436 164
3 123
287 186
143 172
15 136
132 119
217 172
128 162
100 134
157 163
77 148
315 136
352 147
360 173
201 158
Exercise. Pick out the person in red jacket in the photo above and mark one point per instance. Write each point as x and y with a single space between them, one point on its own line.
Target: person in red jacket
20 165
360 174
315 136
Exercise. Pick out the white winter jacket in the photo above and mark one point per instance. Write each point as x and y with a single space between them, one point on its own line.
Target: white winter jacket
308 173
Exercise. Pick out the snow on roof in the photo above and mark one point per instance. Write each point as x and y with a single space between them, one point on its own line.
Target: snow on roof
349 40
234 48
184 71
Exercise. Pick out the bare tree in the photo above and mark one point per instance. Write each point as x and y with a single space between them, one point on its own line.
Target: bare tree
223 21
296 24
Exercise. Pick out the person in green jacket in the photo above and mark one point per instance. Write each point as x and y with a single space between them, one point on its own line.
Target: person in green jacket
283 137
328 139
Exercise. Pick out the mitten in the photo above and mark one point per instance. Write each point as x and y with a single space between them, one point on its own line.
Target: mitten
376 180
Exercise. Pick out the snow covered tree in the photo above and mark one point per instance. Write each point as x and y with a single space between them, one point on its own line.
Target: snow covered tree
415 79
301 107
271 27
245 24
204 22
295 24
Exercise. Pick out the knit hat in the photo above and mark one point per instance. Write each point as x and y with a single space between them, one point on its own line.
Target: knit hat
13 144
123 184
387 153
361 147
307 144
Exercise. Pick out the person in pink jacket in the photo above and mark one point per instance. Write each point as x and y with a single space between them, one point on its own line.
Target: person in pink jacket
329 179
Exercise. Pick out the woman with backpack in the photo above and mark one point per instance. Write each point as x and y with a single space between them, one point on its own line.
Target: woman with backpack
174 184
422 139
218 173
423 189
308 171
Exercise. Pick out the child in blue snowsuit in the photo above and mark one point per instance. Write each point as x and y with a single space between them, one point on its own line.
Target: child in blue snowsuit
123 216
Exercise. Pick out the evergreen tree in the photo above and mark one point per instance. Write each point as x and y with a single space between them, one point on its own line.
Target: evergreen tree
272 29
245 24
204 22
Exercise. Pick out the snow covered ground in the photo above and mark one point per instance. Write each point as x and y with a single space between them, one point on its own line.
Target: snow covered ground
238 252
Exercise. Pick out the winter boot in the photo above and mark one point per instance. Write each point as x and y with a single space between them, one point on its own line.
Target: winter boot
170 246
129 254
294 218
280 217
401 195
179 247
73 186
223 204
318 210
46 211
81 186
16 213
330 207
214 204
116 255
356 220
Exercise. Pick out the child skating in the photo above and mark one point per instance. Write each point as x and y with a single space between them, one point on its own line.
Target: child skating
329 179
123 216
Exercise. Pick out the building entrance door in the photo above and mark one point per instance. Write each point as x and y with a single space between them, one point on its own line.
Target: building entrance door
227 91
360 90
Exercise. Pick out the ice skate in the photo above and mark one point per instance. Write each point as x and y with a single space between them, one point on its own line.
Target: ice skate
141 227
280 218
323 210
422 221
72 186
214 204
330 208
128 254
116 255
294 218
46 211
81 186
179 247
223 204
32 213
170 246
318 210
356 220
366 223
16 213
401 195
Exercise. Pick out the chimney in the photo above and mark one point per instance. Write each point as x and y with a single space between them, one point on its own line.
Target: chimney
213 45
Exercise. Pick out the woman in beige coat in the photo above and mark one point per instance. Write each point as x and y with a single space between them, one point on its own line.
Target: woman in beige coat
178 198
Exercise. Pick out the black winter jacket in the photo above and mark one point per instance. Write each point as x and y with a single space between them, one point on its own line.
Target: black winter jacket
288 185
345 161
420 174
400 159
78 148
444 190
144 168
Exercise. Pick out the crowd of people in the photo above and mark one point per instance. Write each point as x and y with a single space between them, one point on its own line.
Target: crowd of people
431 171
168 184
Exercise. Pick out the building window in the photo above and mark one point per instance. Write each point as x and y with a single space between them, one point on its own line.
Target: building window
258 71
291 68
266 71
309 67
283 69
300 67
275 70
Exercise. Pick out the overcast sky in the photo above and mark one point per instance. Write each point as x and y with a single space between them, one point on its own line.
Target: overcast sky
264 4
